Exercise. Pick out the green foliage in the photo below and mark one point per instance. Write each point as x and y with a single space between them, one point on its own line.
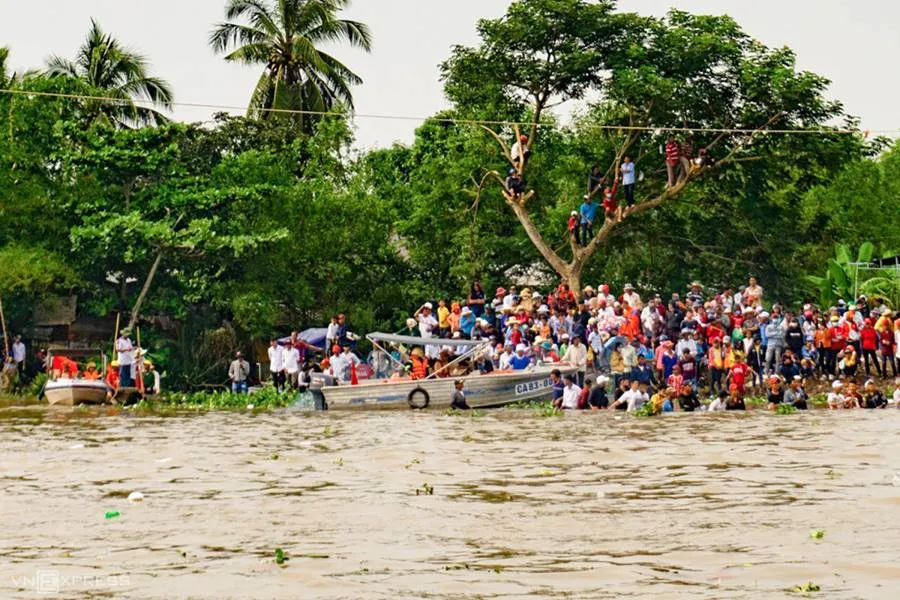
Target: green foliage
114 71
646 409
785 409
845 277
265 399
285 38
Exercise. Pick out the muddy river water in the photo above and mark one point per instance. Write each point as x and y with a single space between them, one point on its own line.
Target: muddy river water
509 505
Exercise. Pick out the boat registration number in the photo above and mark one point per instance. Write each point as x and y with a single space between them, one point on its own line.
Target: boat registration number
533 386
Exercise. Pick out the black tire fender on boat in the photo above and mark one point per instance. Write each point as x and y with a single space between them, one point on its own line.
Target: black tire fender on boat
417 405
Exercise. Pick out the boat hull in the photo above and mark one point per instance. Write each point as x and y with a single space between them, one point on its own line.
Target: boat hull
71 392
482 391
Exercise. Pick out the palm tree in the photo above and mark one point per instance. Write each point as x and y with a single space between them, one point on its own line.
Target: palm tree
115 72
5 78
282 35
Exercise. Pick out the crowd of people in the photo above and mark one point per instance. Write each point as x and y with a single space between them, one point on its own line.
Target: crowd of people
681 159
723 344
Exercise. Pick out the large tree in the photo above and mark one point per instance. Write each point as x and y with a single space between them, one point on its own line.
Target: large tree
285 37
682 74
118 73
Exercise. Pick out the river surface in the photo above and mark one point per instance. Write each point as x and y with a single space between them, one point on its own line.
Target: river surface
522 506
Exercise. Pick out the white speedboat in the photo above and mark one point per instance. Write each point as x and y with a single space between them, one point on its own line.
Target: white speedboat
71 392
482 391
66 391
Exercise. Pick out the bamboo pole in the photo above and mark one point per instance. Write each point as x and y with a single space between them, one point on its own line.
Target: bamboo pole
115 335
5 336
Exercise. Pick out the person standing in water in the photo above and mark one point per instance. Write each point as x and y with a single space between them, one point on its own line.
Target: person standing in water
458 397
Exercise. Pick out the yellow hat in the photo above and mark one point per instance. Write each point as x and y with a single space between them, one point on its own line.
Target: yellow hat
114 363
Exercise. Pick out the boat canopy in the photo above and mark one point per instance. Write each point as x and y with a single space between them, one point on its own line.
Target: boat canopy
411 340
77 352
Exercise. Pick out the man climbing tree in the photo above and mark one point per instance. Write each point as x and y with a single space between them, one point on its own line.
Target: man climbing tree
655 78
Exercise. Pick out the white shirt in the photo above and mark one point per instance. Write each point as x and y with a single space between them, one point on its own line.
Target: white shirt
426 324
507 301
576 356
276 359
516 151
633 299
716 405
291 359
332 332
635 399
835 399
125 350
504 361
18 352
570 396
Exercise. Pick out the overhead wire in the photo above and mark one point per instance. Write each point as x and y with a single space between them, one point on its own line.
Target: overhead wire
453 120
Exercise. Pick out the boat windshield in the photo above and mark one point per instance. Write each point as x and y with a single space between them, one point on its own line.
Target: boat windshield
391 355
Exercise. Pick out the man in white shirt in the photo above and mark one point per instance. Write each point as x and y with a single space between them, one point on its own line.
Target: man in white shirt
427 325
276 365
342 365
291 358
125 356
519 150
18 354
576 355
570 393
718 404
510 298
505 357
631 297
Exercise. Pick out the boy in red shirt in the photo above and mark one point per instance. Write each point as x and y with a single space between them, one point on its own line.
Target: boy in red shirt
573 226
610 204
673 157
739 372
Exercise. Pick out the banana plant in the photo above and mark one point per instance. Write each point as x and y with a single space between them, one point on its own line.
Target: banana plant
841 274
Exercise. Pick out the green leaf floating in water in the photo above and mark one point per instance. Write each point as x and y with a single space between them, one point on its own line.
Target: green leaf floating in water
112 514
280 557
817 534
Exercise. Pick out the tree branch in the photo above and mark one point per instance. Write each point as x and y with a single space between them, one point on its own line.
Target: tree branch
503 145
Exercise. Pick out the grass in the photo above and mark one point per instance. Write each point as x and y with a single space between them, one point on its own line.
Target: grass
785 409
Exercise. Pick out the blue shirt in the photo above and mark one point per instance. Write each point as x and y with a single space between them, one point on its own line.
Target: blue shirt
627 173
466 324
518 363
588 212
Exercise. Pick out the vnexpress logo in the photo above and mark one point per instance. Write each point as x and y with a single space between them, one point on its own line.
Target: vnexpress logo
47 582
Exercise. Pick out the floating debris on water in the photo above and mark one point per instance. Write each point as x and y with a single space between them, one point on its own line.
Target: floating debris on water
817 534
135 497
425 490
805 588
112 514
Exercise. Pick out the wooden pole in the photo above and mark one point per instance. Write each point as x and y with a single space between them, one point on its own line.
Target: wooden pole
115 335
5 336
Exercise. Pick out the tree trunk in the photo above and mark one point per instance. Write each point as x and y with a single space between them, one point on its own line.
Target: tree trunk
136 311
555 261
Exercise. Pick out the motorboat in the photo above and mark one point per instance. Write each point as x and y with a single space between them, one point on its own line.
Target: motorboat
68 391
72 392
491 390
